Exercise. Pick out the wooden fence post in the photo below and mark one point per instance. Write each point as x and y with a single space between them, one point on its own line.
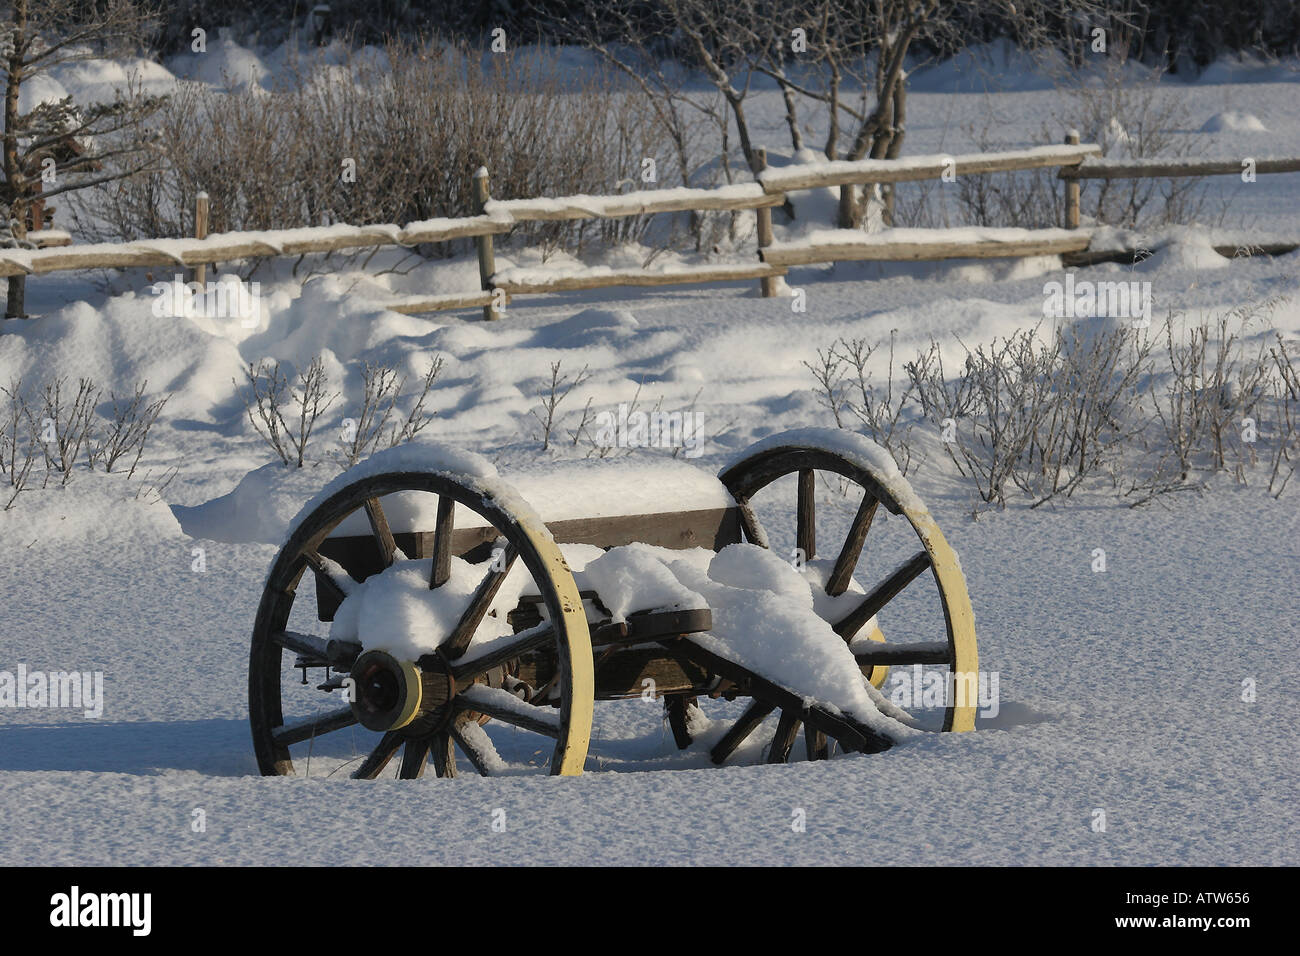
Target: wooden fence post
1072 188
487 263
201 232
767 285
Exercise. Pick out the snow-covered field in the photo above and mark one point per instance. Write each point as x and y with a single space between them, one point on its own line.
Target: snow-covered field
1120 691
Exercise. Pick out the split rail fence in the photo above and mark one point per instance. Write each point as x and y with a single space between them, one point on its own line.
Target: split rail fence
1076 162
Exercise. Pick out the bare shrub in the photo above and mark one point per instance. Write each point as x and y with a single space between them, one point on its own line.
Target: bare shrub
845 388
1126 119
1011 387
1042 415
558 390
128 428
67 423
19 448
1214 382
1136 120
382 386
1094 382
1286 404
268 398
413 124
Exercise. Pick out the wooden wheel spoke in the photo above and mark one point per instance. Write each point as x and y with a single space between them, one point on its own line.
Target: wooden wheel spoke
374 764
883 593
786 730
851 551
750 525
675 707
921 652
466 734
754 715
506 707
456 645
806 514
815 741
499 651
382 532
328 578
314 727
308 645
442 532
415 757
444 755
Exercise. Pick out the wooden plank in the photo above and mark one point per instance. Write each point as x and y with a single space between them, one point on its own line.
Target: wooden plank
469 737
378 759
225 247
383 535
1165 168
641 278
641 203
443 753
878 247
1090 257
473 615
415 757
712 528
416 305
202 207
815 743
622 675
915 168
49 238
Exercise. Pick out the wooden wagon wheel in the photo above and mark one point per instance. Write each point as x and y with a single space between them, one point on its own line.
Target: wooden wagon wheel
429 707
803 453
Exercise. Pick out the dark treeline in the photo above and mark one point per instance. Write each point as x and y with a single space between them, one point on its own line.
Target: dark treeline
1177 34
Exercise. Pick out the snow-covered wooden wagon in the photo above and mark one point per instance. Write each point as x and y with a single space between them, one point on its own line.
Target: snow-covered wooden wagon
454 608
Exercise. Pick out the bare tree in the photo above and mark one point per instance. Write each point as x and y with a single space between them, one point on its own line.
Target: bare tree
58 146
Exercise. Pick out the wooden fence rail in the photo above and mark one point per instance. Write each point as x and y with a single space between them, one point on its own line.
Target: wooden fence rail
1076 162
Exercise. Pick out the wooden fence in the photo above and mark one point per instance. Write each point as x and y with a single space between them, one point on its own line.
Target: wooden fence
1075 162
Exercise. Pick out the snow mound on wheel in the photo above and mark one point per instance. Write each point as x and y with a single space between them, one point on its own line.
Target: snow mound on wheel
395 611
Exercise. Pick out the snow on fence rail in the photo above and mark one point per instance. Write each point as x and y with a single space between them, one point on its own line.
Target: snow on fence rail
903 245
914 168
1077 161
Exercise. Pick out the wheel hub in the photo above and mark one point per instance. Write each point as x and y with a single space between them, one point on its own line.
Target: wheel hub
411 696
